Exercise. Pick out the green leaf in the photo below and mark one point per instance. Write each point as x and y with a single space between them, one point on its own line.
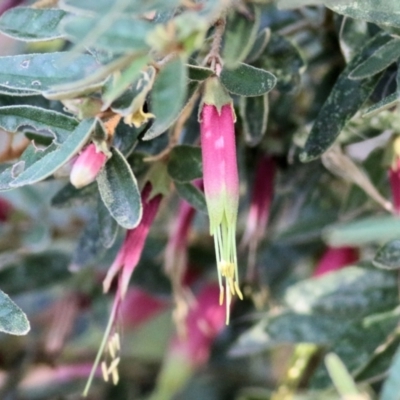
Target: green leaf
197 73
192 195
386 12
254 115
288 327
259 45
247 80
60 126
353 34
37 72
47 165
185 163
12 319
350 292
363 231
240 35
127 78
378 61
345 99
388 256
384 104
32 24
282 58
167 97
119 35
107 225
70 196
29 272
119 191
391 387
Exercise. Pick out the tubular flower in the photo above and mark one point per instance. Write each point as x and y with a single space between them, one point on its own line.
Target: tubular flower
122 269
394 178
87 166
261 198
221 183
336 258
204 322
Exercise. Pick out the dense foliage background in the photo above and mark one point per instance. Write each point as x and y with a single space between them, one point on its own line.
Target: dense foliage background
315 86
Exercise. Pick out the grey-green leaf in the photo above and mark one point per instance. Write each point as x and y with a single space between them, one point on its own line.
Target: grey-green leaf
32 24
240 35
119 191
123 34
247 80
185 163
254 114
12 319
38 72
388 256
167 97
47 165
13 118
345 99
378 61
384 104
192 195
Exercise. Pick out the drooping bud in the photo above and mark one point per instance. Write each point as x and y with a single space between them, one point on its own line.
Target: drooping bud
336 258
87 166
221 182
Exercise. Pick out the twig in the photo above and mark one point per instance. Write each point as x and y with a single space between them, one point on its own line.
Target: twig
213 58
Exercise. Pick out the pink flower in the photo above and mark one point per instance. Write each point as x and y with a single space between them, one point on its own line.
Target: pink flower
336 258
394 178
139 306
6 209
87 166
204 322
7 4
261 198
221 183
122 269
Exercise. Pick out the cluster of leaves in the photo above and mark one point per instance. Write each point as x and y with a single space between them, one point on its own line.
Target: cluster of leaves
302 80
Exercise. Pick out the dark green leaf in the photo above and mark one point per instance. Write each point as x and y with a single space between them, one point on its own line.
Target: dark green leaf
387 102
254 115
378 61
122 34
13 118
240 35
32 24
353 34
197 73
107 225
70 196
259 45
185 163
289 327
167 97
388 256
34 271
37 72
47 165
350 292
12 319
247 80
119 191
345 99
283 60
192 195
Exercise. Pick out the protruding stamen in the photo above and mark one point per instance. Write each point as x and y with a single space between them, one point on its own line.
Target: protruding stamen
104 371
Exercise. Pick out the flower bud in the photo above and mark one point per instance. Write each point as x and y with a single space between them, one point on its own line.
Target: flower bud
336 258
87 166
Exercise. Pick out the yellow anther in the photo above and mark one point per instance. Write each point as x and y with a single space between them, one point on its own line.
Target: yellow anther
221 296
104 371
111 348
117 341
238 291
113 366
115 376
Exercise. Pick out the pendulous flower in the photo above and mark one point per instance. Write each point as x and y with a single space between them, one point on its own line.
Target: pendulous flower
221 183
87 166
